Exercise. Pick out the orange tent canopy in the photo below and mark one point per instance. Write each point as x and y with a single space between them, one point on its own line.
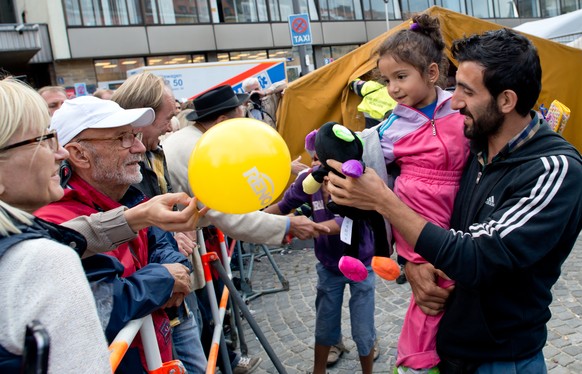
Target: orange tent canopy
323 95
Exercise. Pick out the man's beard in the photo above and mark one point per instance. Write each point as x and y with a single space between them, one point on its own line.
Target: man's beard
488 124
117 176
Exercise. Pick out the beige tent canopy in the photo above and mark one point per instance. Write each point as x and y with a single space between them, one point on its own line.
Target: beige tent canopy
323 95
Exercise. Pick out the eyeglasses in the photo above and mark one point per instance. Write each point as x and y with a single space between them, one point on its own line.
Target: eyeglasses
53 142
127 139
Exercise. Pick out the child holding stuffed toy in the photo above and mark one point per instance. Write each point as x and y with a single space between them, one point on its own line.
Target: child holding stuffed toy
331 282
337 142
424 137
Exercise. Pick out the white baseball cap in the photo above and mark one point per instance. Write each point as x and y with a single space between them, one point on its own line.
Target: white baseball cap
89 112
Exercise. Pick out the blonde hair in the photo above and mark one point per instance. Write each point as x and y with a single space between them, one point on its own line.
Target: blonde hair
58 89
140 91
9 214
102 92
22 110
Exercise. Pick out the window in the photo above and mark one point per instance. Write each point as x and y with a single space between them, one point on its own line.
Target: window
549 8
116 69
313 11
285 9
454 5
568 6
505 9
334 52
102 12
73 13
243 11
274 10
376 10
528 8
410 7
260 54
176 11
340 10
281 53
248 55
175 59
7 14
280 10
480 8
221 57
198 58
293 63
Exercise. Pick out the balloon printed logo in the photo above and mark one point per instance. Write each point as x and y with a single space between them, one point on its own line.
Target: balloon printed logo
239 166
261 184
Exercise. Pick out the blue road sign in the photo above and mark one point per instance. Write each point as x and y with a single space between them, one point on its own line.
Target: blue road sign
300 29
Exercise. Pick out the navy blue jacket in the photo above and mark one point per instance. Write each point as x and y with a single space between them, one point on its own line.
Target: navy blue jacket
11 363
121 299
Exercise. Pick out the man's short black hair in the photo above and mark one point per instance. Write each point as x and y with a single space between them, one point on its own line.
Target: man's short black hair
511 62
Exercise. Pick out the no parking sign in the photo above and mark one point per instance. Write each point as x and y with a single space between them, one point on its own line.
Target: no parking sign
300 29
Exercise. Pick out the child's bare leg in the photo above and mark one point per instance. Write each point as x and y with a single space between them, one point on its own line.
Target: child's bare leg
367 362
320 358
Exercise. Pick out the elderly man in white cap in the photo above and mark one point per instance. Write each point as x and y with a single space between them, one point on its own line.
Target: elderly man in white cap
148 273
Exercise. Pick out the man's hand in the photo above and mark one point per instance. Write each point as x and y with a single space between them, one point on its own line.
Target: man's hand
297 166
159 211
364 192
181 276
303 228
186 242
428 295
369 192
175 300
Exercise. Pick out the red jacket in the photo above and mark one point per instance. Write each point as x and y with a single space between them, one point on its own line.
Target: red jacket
82 199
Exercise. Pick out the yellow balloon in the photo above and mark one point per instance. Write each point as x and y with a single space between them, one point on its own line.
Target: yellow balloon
239 166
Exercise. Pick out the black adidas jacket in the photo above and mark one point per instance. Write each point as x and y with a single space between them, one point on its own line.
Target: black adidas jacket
514 223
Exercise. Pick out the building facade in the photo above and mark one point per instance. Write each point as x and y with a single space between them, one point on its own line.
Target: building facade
94 42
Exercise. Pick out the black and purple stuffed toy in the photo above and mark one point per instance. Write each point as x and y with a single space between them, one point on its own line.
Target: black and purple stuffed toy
337 142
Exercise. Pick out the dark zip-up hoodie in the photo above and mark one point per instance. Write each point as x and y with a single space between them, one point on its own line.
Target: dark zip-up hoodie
515 222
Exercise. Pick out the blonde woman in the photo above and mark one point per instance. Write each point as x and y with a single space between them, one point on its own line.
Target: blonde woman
40 270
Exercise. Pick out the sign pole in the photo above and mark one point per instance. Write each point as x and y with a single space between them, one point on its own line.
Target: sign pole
303 57
387 15
301 48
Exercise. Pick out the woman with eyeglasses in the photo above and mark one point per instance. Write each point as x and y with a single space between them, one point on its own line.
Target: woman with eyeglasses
41 277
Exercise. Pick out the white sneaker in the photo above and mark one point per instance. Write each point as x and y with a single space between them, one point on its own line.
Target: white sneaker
247 365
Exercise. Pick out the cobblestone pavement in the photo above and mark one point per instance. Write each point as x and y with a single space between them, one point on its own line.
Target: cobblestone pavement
287 318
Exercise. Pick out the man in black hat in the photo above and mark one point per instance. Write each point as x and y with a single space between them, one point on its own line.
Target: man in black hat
212 107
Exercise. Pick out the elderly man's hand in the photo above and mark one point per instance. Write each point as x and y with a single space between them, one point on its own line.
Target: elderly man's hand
303 228
175 300
181 276
428 295
186 242
159 211
297 166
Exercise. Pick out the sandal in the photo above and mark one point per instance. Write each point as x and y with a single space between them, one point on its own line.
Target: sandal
335 352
